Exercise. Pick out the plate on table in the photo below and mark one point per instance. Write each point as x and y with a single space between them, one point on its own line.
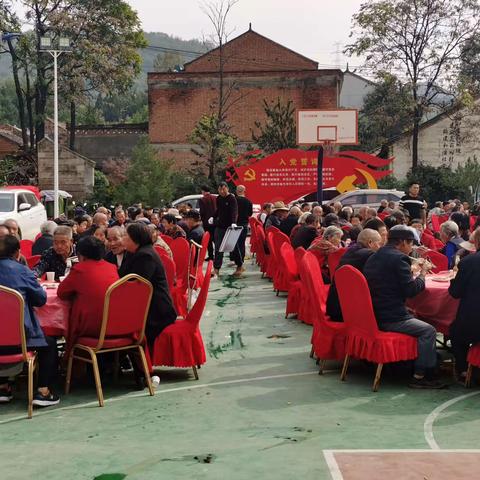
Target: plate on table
442 278
50 285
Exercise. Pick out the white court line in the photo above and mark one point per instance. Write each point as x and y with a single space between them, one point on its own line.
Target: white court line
336 473
429 421
159 392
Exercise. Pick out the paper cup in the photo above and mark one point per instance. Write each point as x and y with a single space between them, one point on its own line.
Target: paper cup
62 279
50 276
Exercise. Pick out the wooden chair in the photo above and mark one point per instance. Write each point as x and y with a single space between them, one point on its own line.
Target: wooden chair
125 312
12 334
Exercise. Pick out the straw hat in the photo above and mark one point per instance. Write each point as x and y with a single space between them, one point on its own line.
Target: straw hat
469 246
279 206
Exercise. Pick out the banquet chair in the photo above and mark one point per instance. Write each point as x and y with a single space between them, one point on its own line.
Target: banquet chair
473 359
182 258
123 328
253 235
167 239
262 255
438 259
334 259
33 261
26 248
328 338
364 339
287 254
169 266
280 281
298 289
273 264
180 344
12 333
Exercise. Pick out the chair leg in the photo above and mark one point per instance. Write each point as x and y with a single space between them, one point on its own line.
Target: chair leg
31 368
378 374
145 371
195 373
322 366
68 379
312 352
468 378
96 374
343 375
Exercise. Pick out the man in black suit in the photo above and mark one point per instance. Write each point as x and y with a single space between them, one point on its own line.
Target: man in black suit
207 206
465 330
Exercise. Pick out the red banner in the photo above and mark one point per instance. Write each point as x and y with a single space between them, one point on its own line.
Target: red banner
290 174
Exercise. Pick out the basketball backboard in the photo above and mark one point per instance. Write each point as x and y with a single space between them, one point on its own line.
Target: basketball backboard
334 127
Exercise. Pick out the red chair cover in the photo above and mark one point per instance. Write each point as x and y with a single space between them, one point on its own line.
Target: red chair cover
473 356
382 216
181 251
364 340
272 264
473 221
253 235
32 261
437 220
198 279
439 260
328 338
281 281
12 309
169 266
297 290
26 248
181 344
287 254
167 239
334 260
262 256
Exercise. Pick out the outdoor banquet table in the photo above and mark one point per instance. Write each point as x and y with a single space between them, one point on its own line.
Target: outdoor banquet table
435 305
53 316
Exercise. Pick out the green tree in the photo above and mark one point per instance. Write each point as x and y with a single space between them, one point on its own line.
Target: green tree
216 145
167 62
8 103
148 178
279 130
422 39
386 112
468 176
102 189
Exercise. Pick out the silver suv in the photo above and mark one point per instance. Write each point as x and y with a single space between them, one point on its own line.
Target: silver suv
367 198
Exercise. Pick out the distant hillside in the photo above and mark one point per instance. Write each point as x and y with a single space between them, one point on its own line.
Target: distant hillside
154 39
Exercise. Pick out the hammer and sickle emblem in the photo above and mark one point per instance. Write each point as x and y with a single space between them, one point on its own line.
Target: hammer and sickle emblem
249 175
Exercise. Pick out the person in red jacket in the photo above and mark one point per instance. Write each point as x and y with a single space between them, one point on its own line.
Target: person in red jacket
86 285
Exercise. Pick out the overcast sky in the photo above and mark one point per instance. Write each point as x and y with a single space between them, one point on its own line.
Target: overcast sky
310 27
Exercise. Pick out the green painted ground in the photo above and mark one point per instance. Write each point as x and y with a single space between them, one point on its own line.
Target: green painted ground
259 410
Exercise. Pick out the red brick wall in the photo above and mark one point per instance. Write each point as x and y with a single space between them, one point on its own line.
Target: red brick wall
252 52
177 101
7 147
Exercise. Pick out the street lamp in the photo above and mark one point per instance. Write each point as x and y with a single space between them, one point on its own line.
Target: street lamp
55 47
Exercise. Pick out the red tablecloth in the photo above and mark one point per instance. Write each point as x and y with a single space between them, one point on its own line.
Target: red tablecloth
53 316
435 305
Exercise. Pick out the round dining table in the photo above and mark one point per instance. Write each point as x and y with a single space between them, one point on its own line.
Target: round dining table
54 315
435 305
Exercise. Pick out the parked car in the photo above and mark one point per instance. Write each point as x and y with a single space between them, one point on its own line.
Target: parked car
193 201
367 198
23 206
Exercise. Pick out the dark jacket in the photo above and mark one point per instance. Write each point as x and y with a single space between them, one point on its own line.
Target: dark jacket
227 211
389 276
42 243
208 206
112 258
245 211
304 237
356 256
272 221
20 278
146 263
287 225
466 287
51 261
196 234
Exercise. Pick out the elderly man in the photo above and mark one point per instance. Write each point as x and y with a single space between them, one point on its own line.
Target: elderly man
286 226
55 258
120 218
195 230
368 242
20 278
45 241
307 232
4 231
465 330
449 234
278 214
13 227
117 253
389 276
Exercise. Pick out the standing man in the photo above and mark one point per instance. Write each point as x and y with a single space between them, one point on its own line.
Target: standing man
245 211
225 216
208 205
414 203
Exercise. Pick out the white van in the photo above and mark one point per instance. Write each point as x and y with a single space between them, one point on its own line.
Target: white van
24 207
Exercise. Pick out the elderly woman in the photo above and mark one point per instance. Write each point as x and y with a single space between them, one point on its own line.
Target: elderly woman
86 284
324 246
145 262
55 258
307 232
20 278
158 241
45 241
449 235
287 225
169 222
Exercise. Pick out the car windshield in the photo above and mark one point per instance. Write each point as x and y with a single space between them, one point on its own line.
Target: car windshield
7 202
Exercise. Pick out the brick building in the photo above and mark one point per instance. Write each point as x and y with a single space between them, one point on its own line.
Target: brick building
10 140
257 68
